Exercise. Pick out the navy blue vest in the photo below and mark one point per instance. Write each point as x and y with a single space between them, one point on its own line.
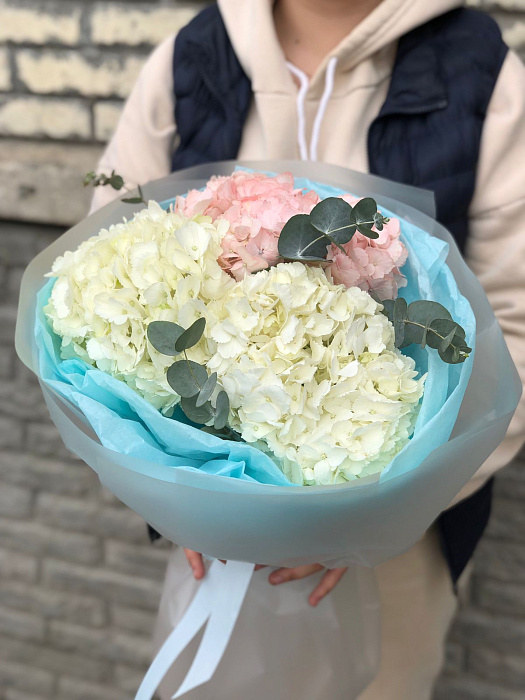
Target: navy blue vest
427 134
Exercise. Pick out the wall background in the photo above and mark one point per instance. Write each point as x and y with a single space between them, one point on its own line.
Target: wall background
79 582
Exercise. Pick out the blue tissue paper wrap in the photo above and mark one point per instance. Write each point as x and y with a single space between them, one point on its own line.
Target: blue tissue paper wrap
229 500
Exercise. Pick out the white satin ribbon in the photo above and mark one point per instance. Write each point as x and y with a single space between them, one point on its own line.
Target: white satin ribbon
218 603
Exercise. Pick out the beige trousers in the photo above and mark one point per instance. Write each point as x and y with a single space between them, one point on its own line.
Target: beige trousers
417 606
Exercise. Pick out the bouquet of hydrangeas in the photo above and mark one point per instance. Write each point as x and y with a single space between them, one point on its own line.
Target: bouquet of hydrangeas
246 336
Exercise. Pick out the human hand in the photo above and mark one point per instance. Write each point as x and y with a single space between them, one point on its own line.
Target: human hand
283 575
328 582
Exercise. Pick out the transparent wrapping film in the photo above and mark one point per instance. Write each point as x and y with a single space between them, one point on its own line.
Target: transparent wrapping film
365 522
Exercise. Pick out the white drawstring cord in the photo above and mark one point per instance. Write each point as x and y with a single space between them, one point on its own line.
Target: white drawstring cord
328 89
301 119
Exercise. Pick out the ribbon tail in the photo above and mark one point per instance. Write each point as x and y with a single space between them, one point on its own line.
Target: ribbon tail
230 594
191 622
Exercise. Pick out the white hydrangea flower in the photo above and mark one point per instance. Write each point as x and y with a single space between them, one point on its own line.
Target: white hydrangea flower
312 373
310 367
158 266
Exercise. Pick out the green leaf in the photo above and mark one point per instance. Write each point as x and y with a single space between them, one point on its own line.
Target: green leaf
399 318
332 217
89 178
363 215
207 390
116 181
191 336
197 414
186 377
133 200
163 335
388 309
299 240
422 313
456 349
222 410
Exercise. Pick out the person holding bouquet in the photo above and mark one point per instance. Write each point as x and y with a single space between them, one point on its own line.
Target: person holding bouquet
426 94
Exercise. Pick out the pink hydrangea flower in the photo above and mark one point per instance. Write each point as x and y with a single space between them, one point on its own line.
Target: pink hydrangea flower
257 207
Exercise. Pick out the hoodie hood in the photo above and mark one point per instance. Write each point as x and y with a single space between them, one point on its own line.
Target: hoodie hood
252 33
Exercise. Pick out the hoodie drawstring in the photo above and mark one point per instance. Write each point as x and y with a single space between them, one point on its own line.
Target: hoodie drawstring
301 120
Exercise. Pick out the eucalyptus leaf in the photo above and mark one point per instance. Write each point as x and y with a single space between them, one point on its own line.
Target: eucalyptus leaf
299 240
191 336
163 335
363 216
133 200
388 309
332 217
197 414
207 390
222 410
116 181
186 377
421 313
399 318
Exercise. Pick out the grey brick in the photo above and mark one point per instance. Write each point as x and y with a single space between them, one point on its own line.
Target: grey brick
506 598
15 502
123 524
497 667
502 633
71 689
135 560
101 644
17 566
128 678
454 659
23 400
14 694
133 620
17 243
21 625
7 362
11 433
46 474
468 688
507 521
116 587
7 323
503 561
44 439
32 537
26 678
84 610
14 280
43 656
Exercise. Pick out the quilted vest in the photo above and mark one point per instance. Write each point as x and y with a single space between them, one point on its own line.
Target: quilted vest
427 134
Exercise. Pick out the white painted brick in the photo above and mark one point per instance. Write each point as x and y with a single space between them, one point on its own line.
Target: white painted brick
5 71
59 71
42 23
113 23
107 115
37 117
43 181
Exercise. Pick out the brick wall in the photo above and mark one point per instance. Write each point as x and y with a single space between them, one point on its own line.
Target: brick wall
79 582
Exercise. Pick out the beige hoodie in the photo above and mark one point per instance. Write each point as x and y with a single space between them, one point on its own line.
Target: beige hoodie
361 66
